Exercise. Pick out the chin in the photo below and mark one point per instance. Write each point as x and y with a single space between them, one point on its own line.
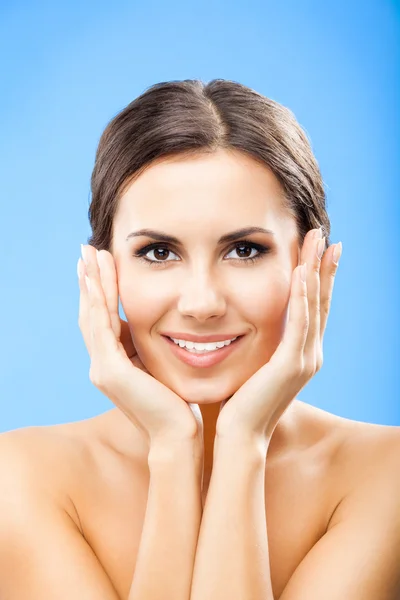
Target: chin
202 401
200 388
203 391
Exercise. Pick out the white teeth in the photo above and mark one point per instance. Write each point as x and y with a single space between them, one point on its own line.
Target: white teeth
200 348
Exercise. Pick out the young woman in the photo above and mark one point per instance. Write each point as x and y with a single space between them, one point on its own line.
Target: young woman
209 479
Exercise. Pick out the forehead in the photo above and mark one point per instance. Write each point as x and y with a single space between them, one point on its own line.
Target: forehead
201 189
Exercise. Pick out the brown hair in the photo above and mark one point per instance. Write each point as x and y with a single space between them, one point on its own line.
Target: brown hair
191 117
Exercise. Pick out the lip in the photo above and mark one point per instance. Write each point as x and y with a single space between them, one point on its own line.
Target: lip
201 339
203 360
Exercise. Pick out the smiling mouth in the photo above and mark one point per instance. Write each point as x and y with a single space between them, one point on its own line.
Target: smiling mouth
203 358
205 350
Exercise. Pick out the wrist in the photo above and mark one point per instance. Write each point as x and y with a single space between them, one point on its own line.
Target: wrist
256 445
172 448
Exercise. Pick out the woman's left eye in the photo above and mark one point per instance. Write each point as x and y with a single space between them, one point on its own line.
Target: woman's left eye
244 248
240 247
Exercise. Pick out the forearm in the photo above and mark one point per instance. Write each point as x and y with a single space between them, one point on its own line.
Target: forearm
232 559
164 566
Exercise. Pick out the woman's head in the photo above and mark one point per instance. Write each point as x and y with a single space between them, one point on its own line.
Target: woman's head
197 162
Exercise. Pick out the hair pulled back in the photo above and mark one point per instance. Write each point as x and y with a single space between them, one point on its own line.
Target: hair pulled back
191 117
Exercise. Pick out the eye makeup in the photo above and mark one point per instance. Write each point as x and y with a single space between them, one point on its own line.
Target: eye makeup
261 249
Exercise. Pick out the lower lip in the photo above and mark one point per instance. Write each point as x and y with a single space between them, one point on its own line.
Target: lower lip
203 360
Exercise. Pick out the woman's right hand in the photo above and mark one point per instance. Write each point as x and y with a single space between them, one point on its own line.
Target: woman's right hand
148 403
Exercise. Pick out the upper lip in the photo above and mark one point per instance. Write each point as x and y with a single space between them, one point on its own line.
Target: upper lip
202 339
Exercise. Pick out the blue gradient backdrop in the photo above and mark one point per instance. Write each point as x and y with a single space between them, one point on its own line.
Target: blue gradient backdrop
67 69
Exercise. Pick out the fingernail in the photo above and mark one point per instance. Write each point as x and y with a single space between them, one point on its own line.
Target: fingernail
83 252
79 268
337 252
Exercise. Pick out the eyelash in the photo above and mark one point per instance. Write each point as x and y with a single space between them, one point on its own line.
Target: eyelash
140 254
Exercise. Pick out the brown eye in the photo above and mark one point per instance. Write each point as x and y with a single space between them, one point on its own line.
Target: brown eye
246 253
244 248
160 253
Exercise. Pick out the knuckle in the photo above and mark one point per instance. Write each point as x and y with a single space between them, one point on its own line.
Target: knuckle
315 267
305 324
96 376
332 270
93 376
314 304
297 367
324 309
90 271
308 369
304 293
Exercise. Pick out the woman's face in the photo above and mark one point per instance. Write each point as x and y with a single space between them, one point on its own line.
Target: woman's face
200 286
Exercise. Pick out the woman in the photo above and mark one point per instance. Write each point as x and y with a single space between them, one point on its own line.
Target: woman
209 478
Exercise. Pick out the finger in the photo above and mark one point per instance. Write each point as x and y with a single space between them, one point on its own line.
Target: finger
108 278
84 312
328 273
309 255
102 337
298 322
108 275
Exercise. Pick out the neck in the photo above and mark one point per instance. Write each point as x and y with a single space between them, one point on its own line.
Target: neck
116 428
210 413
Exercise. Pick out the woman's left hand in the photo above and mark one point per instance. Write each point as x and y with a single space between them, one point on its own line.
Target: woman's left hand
255 409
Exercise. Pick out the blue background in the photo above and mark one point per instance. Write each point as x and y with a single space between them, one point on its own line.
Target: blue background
66 70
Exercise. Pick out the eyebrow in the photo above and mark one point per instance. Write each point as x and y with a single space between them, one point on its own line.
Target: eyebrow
228 237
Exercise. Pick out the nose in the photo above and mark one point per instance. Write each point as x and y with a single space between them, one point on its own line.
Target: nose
201 298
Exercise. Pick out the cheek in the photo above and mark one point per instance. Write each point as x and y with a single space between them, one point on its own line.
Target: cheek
266 306
142 305
260 303
269 317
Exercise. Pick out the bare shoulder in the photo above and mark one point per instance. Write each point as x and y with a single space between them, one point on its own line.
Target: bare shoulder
349 441
45 460
72 463
368 445
36 450
41 540
364 467
352 453
355 467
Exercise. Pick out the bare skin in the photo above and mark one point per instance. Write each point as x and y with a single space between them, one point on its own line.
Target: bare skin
84 485
97 471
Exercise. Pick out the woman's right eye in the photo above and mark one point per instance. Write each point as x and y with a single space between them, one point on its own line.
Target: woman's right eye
159 257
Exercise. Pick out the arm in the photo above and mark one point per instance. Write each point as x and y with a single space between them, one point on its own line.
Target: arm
167 549
232 560
358 558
